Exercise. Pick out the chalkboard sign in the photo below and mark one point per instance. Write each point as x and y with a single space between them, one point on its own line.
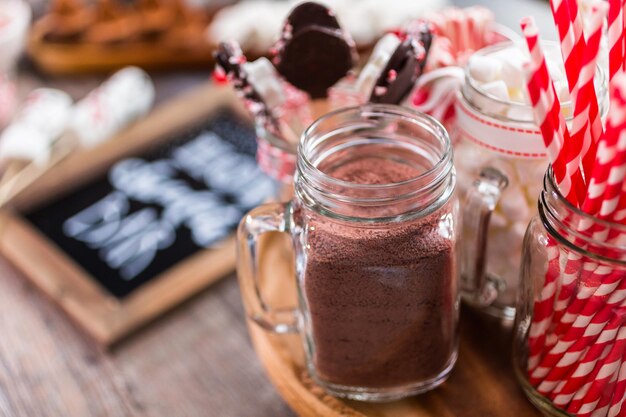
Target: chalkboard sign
120 233
148 213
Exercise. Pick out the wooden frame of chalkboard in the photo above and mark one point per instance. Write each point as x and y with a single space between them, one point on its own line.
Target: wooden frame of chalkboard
105 317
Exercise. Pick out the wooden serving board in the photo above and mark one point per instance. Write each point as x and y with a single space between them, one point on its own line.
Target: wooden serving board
482 383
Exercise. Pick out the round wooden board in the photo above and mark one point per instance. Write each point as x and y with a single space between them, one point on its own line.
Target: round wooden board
481 385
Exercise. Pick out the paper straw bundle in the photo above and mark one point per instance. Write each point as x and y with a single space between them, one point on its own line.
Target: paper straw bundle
577 338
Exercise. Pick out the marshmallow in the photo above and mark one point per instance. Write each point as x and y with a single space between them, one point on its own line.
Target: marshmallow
469 159
484 69
518 230
263 76
24 142
512 68
123 98
47 110
497 89
513 204
497 220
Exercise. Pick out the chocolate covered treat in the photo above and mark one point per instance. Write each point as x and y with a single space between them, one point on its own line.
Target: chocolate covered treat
381 300
404 66
313 52
230 62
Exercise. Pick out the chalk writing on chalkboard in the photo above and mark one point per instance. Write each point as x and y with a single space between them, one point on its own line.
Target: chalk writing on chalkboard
149 213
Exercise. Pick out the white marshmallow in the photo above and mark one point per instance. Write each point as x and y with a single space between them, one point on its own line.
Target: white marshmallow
484 68
263 76
513 204
469 158
497 89
47 110
530 172
497 221
512 70
532 193
494 89
24 142
518 230
123 98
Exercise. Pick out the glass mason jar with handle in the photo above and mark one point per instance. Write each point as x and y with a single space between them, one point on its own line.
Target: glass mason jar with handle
374 223
498 141
570 328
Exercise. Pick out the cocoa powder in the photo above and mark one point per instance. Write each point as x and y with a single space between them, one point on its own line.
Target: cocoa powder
382 298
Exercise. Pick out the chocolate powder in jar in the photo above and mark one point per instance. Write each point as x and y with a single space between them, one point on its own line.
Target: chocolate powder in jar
382 299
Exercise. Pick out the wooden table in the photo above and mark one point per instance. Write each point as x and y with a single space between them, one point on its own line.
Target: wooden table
195 361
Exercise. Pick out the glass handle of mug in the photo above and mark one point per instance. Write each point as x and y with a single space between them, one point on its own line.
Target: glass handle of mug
480 202
275 217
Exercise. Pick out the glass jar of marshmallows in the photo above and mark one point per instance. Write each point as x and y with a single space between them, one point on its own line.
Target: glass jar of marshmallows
497 140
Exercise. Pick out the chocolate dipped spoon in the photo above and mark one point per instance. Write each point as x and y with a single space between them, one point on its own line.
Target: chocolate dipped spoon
404 66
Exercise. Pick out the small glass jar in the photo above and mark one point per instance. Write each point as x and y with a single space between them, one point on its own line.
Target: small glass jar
374 224
570 328
498 141
276 158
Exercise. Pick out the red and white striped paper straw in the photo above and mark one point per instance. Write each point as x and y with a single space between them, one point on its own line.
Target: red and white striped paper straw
548 115
616 37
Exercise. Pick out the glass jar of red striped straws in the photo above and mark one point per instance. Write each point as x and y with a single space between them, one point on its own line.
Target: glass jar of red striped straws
570 345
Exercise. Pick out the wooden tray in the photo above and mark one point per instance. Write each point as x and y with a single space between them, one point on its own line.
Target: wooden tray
482 383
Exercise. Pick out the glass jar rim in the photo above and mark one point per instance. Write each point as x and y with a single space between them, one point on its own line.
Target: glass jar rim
476 88
443 165
550 186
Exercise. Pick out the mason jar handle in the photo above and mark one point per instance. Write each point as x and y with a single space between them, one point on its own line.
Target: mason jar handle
275 217
480 202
